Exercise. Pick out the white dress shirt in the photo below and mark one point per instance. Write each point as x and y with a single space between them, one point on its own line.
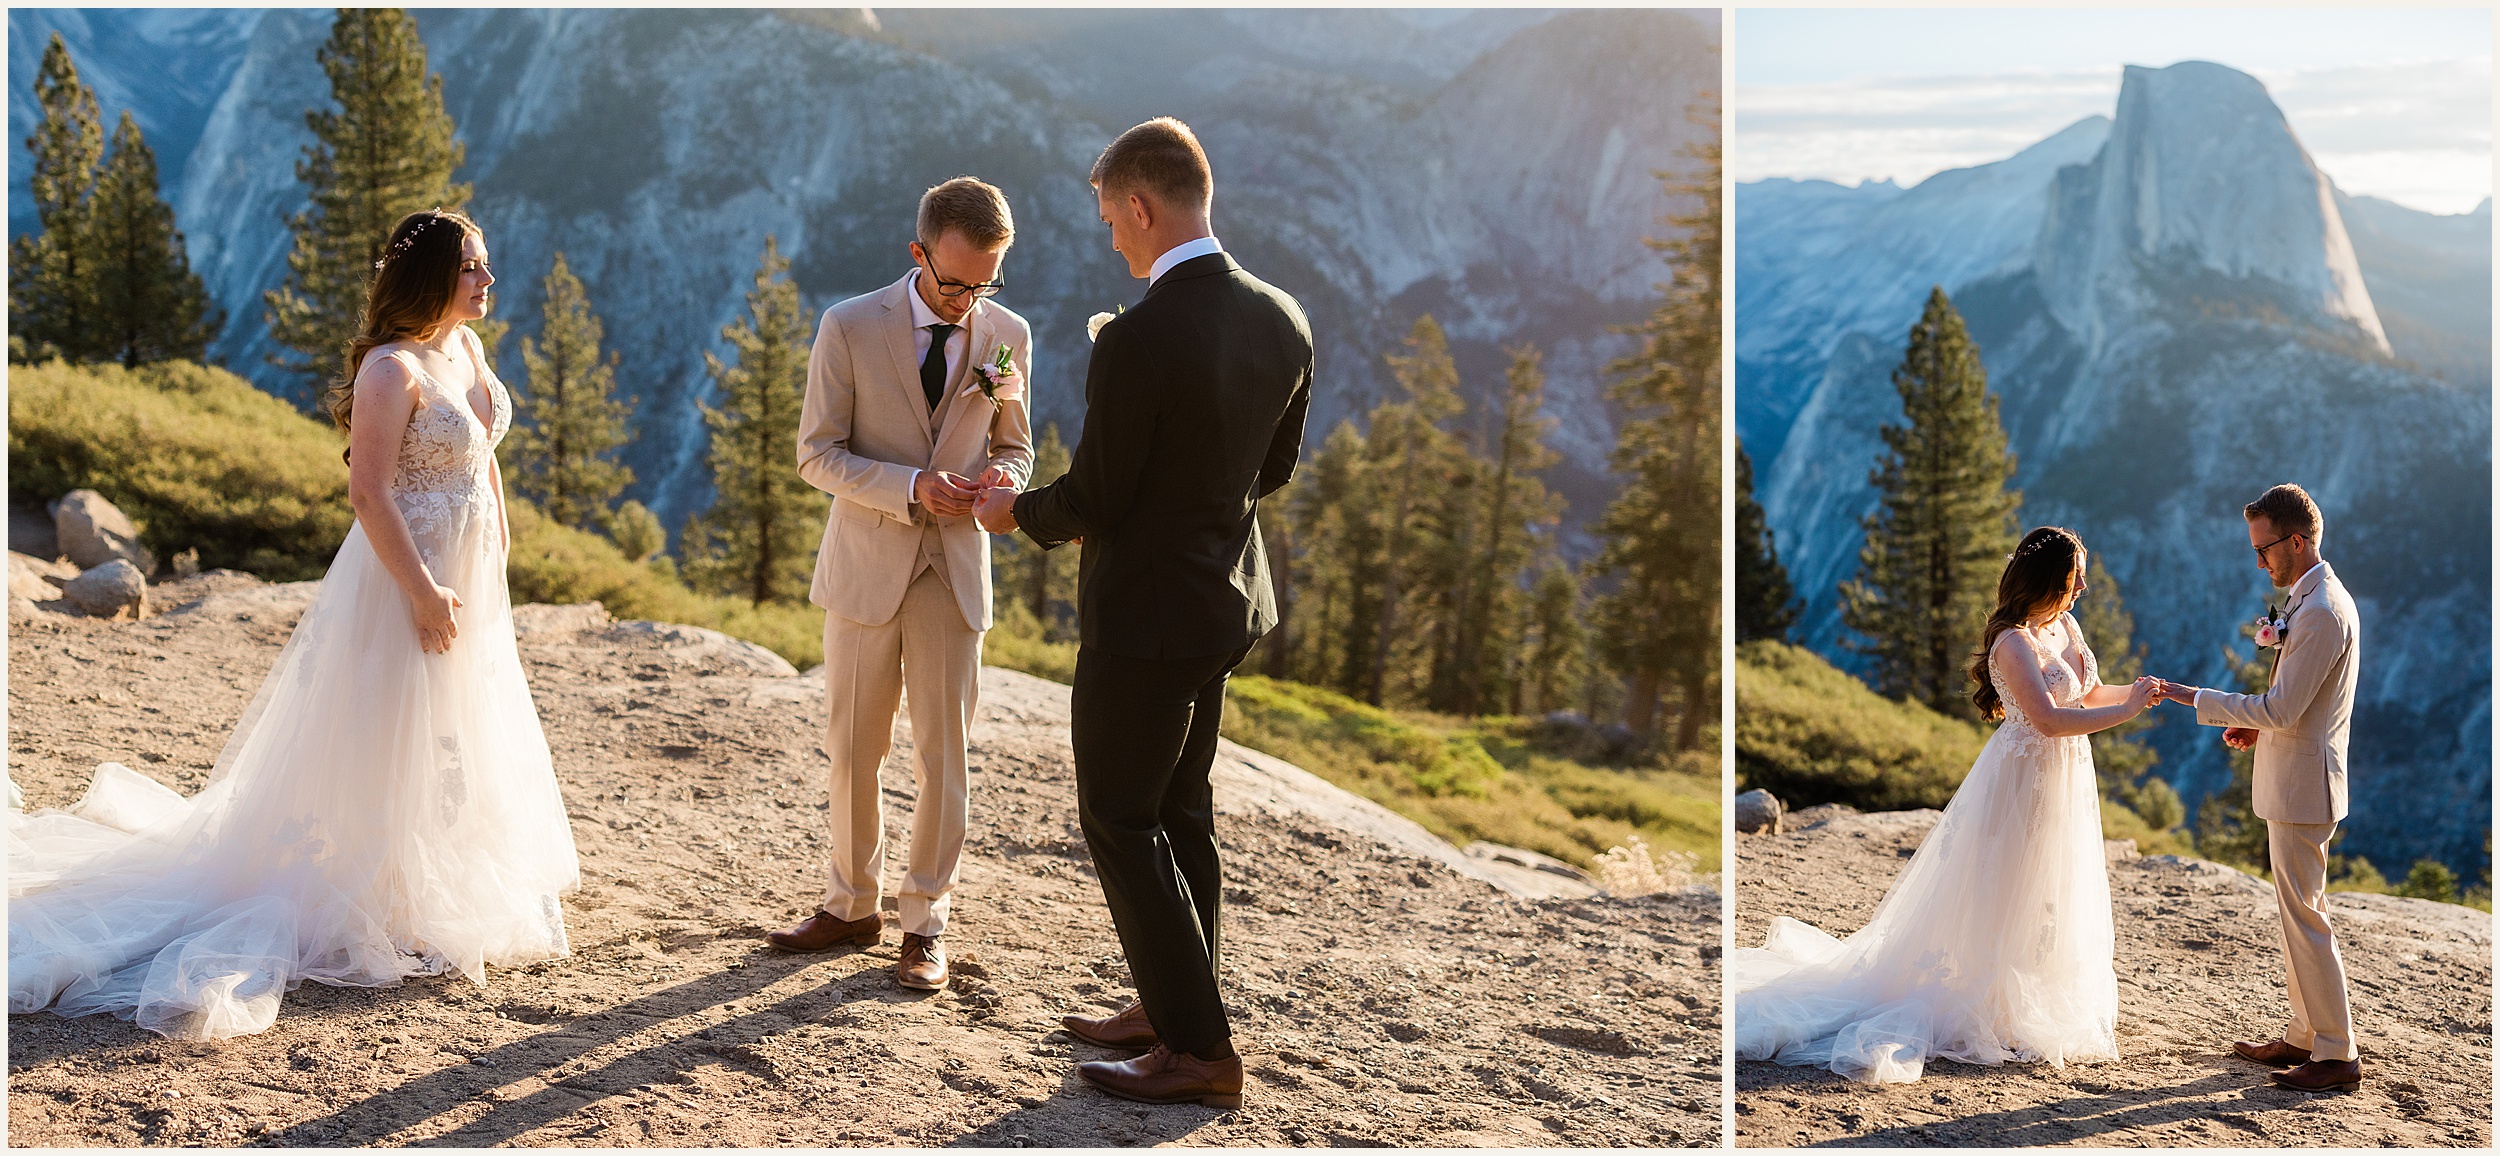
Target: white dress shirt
1179 253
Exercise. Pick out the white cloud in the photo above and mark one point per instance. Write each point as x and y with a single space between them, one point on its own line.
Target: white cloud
2418 133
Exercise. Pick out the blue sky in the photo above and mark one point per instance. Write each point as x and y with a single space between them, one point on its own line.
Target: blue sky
2392 103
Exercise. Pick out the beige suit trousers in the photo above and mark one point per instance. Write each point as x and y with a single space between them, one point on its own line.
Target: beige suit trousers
2313 968
928 648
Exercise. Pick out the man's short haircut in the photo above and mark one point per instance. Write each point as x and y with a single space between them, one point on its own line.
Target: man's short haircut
970 206
2289 510
1160 158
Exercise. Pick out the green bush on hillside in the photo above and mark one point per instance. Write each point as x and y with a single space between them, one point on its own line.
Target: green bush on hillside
1809 733
1468 779
198 457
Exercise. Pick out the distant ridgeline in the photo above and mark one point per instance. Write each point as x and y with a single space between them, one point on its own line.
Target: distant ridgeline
1493 169
2178 310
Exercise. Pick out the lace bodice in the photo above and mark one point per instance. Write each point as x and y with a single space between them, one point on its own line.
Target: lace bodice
446 455
2066 685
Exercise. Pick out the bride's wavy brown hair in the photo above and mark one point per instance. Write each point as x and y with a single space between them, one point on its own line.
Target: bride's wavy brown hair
2035 576
408 297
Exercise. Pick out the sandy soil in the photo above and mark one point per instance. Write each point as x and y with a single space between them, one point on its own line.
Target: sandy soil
2199 964
1381 996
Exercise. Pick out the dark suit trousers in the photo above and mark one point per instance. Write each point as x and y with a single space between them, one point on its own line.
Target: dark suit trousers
1144 732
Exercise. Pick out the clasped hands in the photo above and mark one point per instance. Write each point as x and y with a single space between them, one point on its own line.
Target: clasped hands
2164 690
990 499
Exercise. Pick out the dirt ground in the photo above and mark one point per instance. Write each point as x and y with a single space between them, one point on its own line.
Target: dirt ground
1380 996
2199 964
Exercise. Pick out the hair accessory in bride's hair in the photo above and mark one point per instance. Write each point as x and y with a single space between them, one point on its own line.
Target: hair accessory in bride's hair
403 244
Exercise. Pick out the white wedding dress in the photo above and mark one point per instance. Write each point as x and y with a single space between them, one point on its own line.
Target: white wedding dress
1994 944
379 812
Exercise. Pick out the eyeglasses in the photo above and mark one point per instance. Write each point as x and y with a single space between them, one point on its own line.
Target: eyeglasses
2261 550
951 289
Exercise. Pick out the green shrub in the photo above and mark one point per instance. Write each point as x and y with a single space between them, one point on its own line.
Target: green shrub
1469 779
1809 733
2429 879
1016 641
195 455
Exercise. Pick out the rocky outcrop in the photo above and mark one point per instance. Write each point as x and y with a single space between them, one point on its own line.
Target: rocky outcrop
91 531
110 590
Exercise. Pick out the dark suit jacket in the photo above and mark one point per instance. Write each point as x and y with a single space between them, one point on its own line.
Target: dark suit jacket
1194 404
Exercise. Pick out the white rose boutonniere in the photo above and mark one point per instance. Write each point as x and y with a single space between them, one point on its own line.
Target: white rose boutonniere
1094 324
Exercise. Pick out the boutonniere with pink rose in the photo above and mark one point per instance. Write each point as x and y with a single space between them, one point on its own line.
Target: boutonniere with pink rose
998 378
2273 625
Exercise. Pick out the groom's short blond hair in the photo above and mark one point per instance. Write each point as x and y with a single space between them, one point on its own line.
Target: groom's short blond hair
2289 510
1160 158
970 206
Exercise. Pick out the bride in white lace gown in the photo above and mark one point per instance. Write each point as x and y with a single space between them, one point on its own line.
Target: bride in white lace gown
386 806
1994 944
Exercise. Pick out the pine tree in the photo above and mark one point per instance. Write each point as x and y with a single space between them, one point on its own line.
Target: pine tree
1331 541
1766 604
1660 626
52 270
758 539
2227 827
1515 506
2121 760
1551 673
564 458
385 152
1408 456
1927 574
150 306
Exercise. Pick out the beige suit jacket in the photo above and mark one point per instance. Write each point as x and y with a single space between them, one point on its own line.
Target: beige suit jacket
2303 721
866 428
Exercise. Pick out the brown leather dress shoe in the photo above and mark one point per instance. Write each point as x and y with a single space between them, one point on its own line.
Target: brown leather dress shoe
2272 1053
923 966
1164 1076
1128 1028
825 931
2321 1076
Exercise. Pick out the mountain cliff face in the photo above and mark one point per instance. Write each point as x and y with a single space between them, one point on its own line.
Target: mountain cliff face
2177 310
1493 168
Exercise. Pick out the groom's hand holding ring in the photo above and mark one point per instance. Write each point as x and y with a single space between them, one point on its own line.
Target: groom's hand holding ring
943 494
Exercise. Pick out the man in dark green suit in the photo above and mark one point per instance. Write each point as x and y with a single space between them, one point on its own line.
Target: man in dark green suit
1194 405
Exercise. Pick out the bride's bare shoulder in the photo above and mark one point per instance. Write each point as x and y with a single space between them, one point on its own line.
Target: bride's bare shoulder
384 374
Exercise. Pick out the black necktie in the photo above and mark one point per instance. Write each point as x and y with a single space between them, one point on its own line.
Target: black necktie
933 367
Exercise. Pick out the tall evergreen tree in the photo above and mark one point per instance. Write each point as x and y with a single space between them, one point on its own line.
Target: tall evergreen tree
1333 541
758 539
1551 673
1927 574
564 457
149 305
1514 506
1660 626
2121 760
52 270
2227 827
386 151
1766 605
1408 457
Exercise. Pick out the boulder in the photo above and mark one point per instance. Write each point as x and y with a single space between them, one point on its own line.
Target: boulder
110 589
1758 813
92 532
36 579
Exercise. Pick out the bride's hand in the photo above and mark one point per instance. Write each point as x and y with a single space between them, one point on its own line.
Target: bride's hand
436 624
2142 694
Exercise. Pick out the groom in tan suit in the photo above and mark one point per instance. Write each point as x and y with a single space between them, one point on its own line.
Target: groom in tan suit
2302 728
898 429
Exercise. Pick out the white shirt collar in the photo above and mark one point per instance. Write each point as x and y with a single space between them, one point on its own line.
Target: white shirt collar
1179 253
922 316
2308 583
